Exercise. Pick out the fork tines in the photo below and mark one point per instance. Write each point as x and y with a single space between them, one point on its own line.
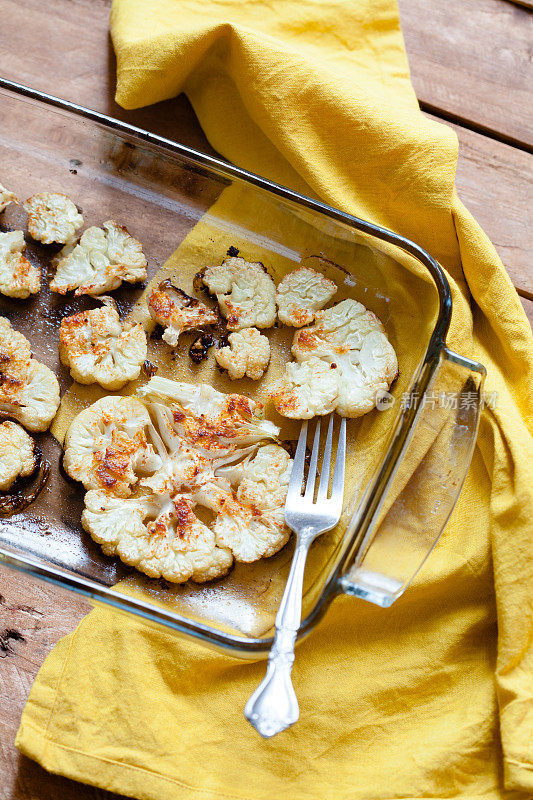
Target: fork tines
297 482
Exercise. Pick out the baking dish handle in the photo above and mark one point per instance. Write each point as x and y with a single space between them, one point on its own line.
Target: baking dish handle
417 501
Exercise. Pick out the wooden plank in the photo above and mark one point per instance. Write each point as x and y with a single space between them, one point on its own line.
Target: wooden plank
528 308
42 47
471 60
495 182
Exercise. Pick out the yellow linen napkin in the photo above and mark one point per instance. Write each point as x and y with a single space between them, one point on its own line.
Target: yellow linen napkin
433 697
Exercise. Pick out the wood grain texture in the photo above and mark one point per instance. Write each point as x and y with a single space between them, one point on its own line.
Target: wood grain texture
472 59
495 182
469 59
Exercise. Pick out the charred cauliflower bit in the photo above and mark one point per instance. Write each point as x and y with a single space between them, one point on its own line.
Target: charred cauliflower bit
351 341
306 390
6 197
300 294
52 217
101 260
177 312
98 348
247 354
18 458
106 446
147 467
18 278
29 391
245 293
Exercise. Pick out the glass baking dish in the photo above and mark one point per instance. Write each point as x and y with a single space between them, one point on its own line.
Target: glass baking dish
407 460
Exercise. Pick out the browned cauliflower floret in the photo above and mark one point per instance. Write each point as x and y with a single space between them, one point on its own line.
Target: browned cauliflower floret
18 457
29 391
18 278
100 261
98 348
177 312
306 390
106 446
52 218
248 354
6 197
245 292
300 294
352 344
161 537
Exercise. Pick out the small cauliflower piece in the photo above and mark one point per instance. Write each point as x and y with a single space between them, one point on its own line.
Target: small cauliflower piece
101 260
300 294
52 218
29 391
306 390
6 197
106 446
177 312
248 354
18 457
98 348
161 537
18 278
351 342
245 293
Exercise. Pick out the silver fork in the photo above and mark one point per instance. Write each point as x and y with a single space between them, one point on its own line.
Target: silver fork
273 707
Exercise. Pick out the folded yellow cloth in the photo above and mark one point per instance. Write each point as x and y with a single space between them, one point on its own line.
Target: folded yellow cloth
433 697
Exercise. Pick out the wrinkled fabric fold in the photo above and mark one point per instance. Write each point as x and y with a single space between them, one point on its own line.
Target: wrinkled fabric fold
433 697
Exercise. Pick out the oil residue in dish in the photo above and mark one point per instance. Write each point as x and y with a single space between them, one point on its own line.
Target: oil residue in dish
21 495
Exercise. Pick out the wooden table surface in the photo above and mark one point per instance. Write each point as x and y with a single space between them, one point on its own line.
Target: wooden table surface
470 65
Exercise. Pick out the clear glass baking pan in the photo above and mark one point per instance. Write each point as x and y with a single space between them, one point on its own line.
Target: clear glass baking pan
406 462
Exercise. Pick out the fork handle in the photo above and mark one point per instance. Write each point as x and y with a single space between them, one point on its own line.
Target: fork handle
273 707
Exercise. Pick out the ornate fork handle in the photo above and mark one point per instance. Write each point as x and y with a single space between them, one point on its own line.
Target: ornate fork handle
273 707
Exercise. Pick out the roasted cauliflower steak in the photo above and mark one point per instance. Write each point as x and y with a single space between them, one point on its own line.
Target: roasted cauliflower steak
18 278
100 262
245 293
352 344
300 294
177 312
247 354
6 197
52 218
29 391
149 463
18 455
99 348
